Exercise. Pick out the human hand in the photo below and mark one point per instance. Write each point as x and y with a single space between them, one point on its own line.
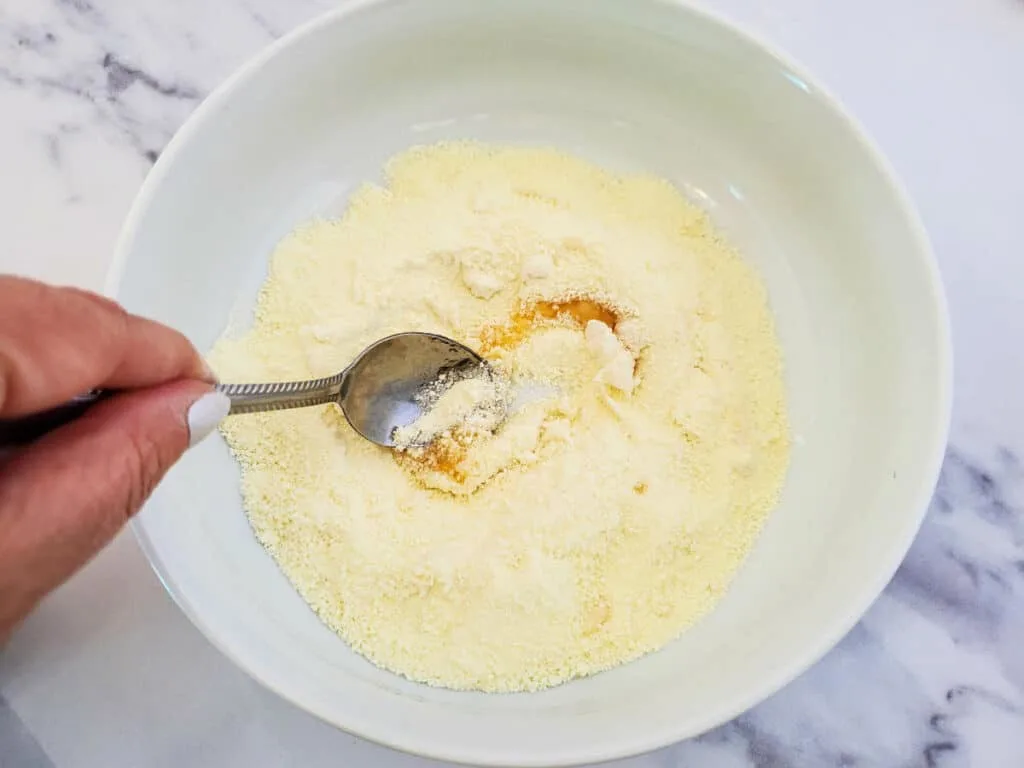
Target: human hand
63 497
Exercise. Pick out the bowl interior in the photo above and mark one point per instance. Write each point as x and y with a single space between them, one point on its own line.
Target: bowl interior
645 85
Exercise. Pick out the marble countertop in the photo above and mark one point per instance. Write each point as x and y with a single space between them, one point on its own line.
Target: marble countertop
109 673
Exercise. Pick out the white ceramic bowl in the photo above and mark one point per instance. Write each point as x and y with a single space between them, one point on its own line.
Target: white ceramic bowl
640 85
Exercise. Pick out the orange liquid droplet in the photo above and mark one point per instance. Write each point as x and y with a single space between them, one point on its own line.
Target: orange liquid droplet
526 320
444 455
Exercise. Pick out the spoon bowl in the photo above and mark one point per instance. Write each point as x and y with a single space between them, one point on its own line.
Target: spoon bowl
379 390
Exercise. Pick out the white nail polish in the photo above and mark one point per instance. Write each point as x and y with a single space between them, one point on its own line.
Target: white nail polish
205 414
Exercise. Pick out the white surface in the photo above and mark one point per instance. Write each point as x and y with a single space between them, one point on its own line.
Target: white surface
648 86
108 672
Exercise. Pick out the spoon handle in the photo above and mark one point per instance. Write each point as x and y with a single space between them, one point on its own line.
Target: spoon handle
245 398
254 398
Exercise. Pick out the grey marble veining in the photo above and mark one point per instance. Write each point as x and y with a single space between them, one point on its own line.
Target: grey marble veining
92 90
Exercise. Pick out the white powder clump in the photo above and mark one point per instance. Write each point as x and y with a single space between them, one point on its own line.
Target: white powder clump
616 361
537 266
631 333
604 514
480 283
474 405
483 274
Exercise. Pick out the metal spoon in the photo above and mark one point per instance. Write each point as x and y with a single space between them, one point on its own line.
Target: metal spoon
377 392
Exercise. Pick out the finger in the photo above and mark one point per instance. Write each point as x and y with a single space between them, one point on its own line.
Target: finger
64 497
59 342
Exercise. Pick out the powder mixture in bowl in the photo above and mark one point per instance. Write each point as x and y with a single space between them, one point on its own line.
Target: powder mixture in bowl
598 520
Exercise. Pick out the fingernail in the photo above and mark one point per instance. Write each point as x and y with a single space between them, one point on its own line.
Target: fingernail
205 414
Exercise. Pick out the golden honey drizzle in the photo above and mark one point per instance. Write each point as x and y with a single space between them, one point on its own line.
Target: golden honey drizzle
442 454
525 320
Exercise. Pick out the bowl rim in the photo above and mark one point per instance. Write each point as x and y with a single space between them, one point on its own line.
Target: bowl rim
819 644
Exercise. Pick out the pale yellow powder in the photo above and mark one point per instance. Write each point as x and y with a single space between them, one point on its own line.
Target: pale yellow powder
601 519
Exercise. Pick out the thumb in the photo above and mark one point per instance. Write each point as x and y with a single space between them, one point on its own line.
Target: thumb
64 497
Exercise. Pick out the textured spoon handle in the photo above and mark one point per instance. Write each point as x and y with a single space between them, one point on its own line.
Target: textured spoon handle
253 398
245 398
